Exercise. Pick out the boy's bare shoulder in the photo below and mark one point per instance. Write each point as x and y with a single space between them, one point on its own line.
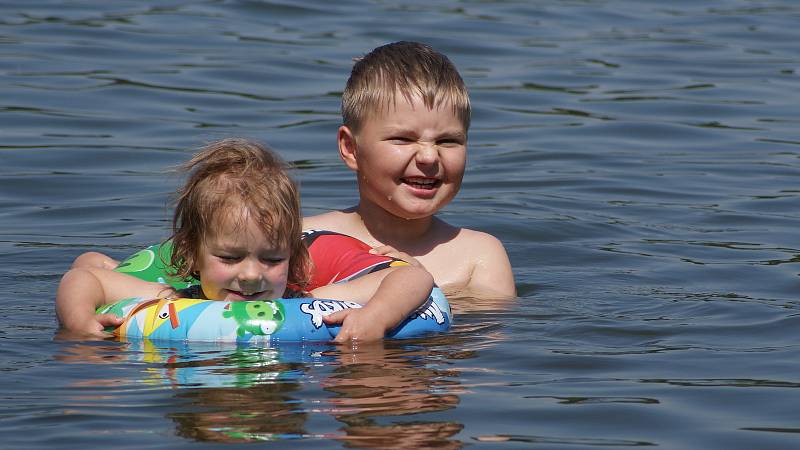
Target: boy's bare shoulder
471 237
333 221
477 248
467 240
485 268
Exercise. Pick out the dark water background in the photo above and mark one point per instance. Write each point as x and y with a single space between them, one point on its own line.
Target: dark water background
639 160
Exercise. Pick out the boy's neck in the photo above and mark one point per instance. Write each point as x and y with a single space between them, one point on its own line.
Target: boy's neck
390 229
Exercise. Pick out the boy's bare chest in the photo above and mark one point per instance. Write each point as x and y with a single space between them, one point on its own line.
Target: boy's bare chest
450 262
450 266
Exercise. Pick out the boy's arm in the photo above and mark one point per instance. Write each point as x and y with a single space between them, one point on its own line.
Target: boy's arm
390 296
83 289
491 276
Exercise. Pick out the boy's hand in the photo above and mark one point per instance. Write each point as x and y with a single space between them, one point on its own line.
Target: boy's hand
388 250
358 324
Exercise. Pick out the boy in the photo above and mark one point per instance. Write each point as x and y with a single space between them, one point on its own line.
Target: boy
406 114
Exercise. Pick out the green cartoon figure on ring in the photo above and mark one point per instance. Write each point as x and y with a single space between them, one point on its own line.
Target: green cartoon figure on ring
259 317
152 264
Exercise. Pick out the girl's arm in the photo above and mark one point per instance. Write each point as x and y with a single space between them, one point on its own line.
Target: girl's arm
390 296
95 259
83 289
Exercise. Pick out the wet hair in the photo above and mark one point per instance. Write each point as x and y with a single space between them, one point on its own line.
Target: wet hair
410 68
230 181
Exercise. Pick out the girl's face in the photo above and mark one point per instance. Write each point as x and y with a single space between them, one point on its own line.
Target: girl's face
238 263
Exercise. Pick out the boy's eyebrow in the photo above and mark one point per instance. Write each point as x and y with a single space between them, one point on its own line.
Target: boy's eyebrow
391 129
455 134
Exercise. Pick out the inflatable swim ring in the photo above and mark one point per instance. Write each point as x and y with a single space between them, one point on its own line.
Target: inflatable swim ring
289 320
151 264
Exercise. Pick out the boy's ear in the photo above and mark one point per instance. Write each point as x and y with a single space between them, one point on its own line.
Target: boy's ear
347 147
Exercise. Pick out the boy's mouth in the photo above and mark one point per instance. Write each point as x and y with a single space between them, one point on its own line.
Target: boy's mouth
421 183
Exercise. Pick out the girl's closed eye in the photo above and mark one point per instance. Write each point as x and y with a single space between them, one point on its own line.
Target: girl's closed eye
273 259
229 258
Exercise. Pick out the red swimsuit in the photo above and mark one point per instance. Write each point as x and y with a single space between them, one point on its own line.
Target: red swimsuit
338 257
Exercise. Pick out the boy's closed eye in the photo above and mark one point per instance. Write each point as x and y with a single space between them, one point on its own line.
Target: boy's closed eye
451 139
401 140
450 142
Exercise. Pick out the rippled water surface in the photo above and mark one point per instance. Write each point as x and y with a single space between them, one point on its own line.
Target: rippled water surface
638 159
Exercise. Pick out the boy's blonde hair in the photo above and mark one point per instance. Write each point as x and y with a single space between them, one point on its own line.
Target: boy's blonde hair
410 68
232 180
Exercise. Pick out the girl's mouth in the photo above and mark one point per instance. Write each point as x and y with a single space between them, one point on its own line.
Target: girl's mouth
238 295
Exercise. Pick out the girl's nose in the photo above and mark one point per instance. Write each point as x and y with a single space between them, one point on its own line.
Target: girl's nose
249 271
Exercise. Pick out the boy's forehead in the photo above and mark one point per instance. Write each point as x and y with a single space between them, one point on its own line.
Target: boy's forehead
390 111
402 100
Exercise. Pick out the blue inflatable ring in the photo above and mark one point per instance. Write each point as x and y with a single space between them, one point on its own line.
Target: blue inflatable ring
288 320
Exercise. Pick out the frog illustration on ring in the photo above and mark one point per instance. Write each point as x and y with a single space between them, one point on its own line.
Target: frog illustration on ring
258 317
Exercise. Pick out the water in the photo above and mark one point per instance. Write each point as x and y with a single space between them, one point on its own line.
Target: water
638 159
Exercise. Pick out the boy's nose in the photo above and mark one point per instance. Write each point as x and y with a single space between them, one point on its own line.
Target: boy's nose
427 154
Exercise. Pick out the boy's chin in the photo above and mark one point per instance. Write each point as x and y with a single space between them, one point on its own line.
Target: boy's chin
409 207
416 212
416 208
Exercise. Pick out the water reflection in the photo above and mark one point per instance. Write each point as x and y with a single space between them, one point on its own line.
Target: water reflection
229 393
386 379
230 414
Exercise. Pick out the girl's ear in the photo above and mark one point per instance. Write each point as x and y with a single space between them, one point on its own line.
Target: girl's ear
347 147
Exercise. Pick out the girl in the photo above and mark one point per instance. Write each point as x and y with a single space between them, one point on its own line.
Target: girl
237 229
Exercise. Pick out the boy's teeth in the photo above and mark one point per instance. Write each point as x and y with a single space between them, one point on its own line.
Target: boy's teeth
423 182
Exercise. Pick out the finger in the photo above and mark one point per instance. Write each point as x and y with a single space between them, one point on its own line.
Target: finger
360 337
388 250
337 317
343 336
108 320
411 260
82 335
406 258
382 250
